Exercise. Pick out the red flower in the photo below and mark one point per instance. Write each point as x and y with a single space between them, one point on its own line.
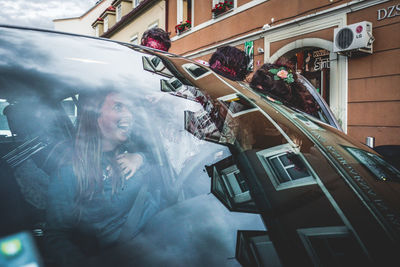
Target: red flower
110 8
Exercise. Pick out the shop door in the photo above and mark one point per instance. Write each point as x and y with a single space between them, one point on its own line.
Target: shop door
313 63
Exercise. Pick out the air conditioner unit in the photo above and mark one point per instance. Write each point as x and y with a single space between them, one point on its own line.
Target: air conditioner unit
354 39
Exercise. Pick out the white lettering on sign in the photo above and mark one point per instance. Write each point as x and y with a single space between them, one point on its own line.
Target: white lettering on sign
321 63
389 12
320 53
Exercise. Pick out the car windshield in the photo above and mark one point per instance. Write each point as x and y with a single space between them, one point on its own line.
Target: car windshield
175 207
115 155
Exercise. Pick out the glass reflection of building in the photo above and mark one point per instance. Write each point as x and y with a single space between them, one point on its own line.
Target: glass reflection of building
229 185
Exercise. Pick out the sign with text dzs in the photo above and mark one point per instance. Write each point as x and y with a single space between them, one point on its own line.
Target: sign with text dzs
389 12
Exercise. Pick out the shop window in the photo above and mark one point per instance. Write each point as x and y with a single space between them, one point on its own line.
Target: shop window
381 169
230 186
119 12
332 246
254 248
105 24
314 64
285 167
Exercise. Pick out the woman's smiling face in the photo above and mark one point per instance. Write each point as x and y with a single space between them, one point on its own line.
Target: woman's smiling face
115 121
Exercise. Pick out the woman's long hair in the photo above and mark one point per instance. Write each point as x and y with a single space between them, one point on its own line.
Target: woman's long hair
88 154
292 93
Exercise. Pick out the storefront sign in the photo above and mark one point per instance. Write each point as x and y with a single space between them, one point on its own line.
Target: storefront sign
389 12
321 63
320 53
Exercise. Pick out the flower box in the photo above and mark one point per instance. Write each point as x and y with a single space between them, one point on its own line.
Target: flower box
221 8
182 27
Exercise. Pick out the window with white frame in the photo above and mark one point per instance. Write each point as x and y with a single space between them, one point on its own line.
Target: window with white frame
332 246
153 25
106 24
255 248
134 39
119 12
184 11
136 3
286 167
196 71
97 30
215 2
229 185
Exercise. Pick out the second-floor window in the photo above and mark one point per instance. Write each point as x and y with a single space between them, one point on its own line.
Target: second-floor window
220 7
105 24
119 12
97 30
184 11
136 3
135 39
286 167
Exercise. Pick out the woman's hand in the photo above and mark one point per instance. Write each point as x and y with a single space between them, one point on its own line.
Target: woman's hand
129 163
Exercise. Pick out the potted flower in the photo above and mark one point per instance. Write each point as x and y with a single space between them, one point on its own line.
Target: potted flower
183 26
221 8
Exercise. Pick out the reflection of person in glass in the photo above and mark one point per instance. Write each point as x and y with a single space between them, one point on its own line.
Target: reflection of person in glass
103 189
281 82
230 62
156 38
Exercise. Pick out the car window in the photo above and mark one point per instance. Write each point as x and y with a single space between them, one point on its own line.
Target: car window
194 219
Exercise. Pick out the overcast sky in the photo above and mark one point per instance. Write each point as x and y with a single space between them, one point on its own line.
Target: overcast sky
40 13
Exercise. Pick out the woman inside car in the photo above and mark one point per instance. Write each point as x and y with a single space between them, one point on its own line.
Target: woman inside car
102 194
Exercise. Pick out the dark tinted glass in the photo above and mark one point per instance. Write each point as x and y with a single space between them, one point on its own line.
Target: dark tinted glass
190 226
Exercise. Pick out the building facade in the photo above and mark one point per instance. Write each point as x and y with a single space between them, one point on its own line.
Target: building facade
82 24
362 90
127 20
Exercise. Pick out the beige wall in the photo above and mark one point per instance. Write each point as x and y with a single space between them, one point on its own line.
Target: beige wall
142 22
82 25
